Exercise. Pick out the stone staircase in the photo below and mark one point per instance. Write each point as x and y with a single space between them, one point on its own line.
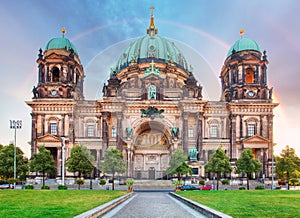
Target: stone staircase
153 185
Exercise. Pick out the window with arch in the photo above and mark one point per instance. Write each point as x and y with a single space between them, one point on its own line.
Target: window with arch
249 75
55 74
113 132
53 128
152 92
90 130
213 131
251 130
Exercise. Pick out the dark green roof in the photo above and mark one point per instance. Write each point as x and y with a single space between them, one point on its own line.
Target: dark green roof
60 43
243 45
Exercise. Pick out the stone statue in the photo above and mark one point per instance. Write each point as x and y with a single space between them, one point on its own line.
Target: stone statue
175 131
129 132
35 92
270 93
193 154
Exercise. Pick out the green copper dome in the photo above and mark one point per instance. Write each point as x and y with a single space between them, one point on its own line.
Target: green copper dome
151 47
60 43
243 45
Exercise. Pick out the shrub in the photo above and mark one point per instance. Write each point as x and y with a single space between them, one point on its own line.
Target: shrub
260 187
278 187
225 182
293 181
12 180
30 186
79 182
45 187
102 182
129 183
242 188
62 187
201 182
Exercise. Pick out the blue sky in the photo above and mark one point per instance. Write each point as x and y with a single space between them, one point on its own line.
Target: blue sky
204 31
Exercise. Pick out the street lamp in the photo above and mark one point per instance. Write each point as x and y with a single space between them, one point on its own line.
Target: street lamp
63 161
15 124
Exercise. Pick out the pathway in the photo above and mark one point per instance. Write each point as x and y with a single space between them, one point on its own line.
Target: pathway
152 204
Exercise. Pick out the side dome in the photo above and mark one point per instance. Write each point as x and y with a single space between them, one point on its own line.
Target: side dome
243 45
61 43
151 47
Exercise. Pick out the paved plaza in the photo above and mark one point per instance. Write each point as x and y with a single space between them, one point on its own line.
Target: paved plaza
152 204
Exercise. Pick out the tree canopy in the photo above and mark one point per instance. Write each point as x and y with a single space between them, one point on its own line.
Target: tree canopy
81 160
287 165
219 164
113 163
247 164
7 163
178 165
43 162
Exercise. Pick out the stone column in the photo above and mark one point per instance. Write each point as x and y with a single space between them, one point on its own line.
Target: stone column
33 133
119 131
185 132
233 137
59 161
105 136
199 135
270 135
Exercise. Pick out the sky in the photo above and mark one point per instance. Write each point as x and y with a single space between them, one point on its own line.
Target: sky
204 30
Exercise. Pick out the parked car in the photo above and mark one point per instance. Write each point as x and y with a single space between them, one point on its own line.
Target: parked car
189 187
206 187
6 186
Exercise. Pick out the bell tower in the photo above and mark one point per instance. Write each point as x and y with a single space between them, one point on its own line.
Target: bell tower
60 73
244 73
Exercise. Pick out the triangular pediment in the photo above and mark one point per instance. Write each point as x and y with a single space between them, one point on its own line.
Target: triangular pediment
152 77
53 56
255 141
48 138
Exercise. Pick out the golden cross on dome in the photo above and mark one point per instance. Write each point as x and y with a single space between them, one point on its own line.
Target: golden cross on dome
152 64
63 31
152 9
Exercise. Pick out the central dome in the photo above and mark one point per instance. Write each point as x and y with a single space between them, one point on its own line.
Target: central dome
151 47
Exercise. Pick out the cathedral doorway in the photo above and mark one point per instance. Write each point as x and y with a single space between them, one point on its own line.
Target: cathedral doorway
151 151
152 173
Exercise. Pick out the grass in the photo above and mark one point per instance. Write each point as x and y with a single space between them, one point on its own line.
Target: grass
52 203
256 203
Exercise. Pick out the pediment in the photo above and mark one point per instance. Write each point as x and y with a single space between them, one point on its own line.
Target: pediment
54 56
152 77
49 138
255 141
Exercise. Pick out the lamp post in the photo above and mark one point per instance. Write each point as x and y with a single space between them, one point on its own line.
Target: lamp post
15 124
63 161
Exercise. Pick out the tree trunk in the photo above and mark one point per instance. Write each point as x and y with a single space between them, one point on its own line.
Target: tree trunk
43 178
113 181
248 183
218 177
288 179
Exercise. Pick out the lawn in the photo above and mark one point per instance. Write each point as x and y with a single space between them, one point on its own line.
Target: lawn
256 203
52 203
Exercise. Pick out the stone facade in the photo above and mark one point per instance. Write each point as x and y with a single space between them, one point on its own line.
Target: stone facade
153 105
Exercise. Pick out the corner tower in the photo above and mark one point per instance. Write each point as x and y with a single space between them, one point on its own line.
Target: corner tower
60 72
244 73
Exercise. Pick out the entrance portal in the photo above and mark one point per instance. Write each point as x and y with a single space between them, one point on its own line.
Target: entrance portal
152 173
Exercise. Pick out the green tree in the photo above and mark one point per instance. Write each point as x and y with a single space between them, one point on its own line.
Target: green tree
178 165
287 165
7 163
247 164
113 163
81 160
219 164
43 162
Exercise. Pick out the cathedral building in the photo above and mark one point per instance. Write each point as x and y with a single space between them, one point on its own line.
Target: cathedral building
152 105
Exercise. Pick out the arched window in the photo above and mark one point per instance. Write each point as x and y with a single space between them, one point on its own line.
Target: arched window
55 74
249 75
152 92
